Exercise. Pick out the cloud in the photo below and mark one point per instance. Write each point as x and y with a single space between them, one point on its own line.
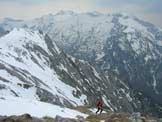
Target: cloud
153 18
17 10
27 9
26 2
154 7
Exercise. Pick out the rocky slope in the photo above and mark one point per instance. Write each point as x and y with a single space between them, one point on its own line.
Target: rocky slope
106 117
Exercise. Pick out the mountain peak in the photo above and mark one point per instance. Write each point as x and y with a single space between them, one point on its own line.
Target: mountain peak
7 19
63 12
121 14
94 13
21 36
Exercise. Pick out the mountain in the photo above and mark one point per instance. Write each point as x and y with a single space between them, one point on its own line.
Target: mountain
118 45
125 51
34 70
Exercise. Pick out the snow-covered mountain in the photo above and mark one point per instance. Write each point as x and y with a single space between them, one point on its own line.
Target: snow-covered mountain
26 77
32 68
120 47
25 68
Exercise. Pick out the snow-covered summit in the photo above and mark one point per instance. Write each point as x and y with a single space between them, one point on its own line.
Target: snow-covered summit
19 37
62 12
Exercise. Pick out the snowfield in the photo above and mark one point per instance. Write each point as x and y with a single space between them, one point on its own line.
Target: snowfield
18 106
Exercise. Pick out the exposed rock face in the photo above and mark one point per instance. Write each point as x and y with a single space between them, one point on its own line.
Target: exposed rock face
61 119
136 117
3 32
22 118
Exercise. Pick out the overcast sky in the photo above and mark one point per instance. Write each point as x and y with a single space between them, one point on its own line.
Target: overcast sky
150 10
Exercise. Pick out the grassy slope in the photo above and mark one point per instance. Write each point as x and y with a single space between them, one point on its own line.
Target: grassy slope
104 117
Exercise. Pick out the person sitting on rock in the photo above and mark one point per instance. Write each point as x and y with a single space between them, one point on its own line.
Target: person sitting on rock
99 106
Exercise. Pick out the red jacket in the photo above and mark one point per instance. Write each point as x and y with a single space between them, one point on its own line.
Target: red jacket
99 104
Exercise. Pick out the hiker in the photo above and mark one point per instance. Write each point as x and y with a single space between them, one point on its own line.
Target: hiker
99 106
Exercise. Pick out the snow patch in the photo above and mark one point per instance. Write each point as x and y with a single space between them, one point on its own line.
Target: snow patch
107 102
96 73
62 67
17 106
100 55
147 57
129 98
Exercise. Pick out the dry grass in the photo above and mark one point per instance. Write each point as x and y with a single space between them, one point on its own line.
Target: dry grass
98 118
118 118
48 119
83 109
